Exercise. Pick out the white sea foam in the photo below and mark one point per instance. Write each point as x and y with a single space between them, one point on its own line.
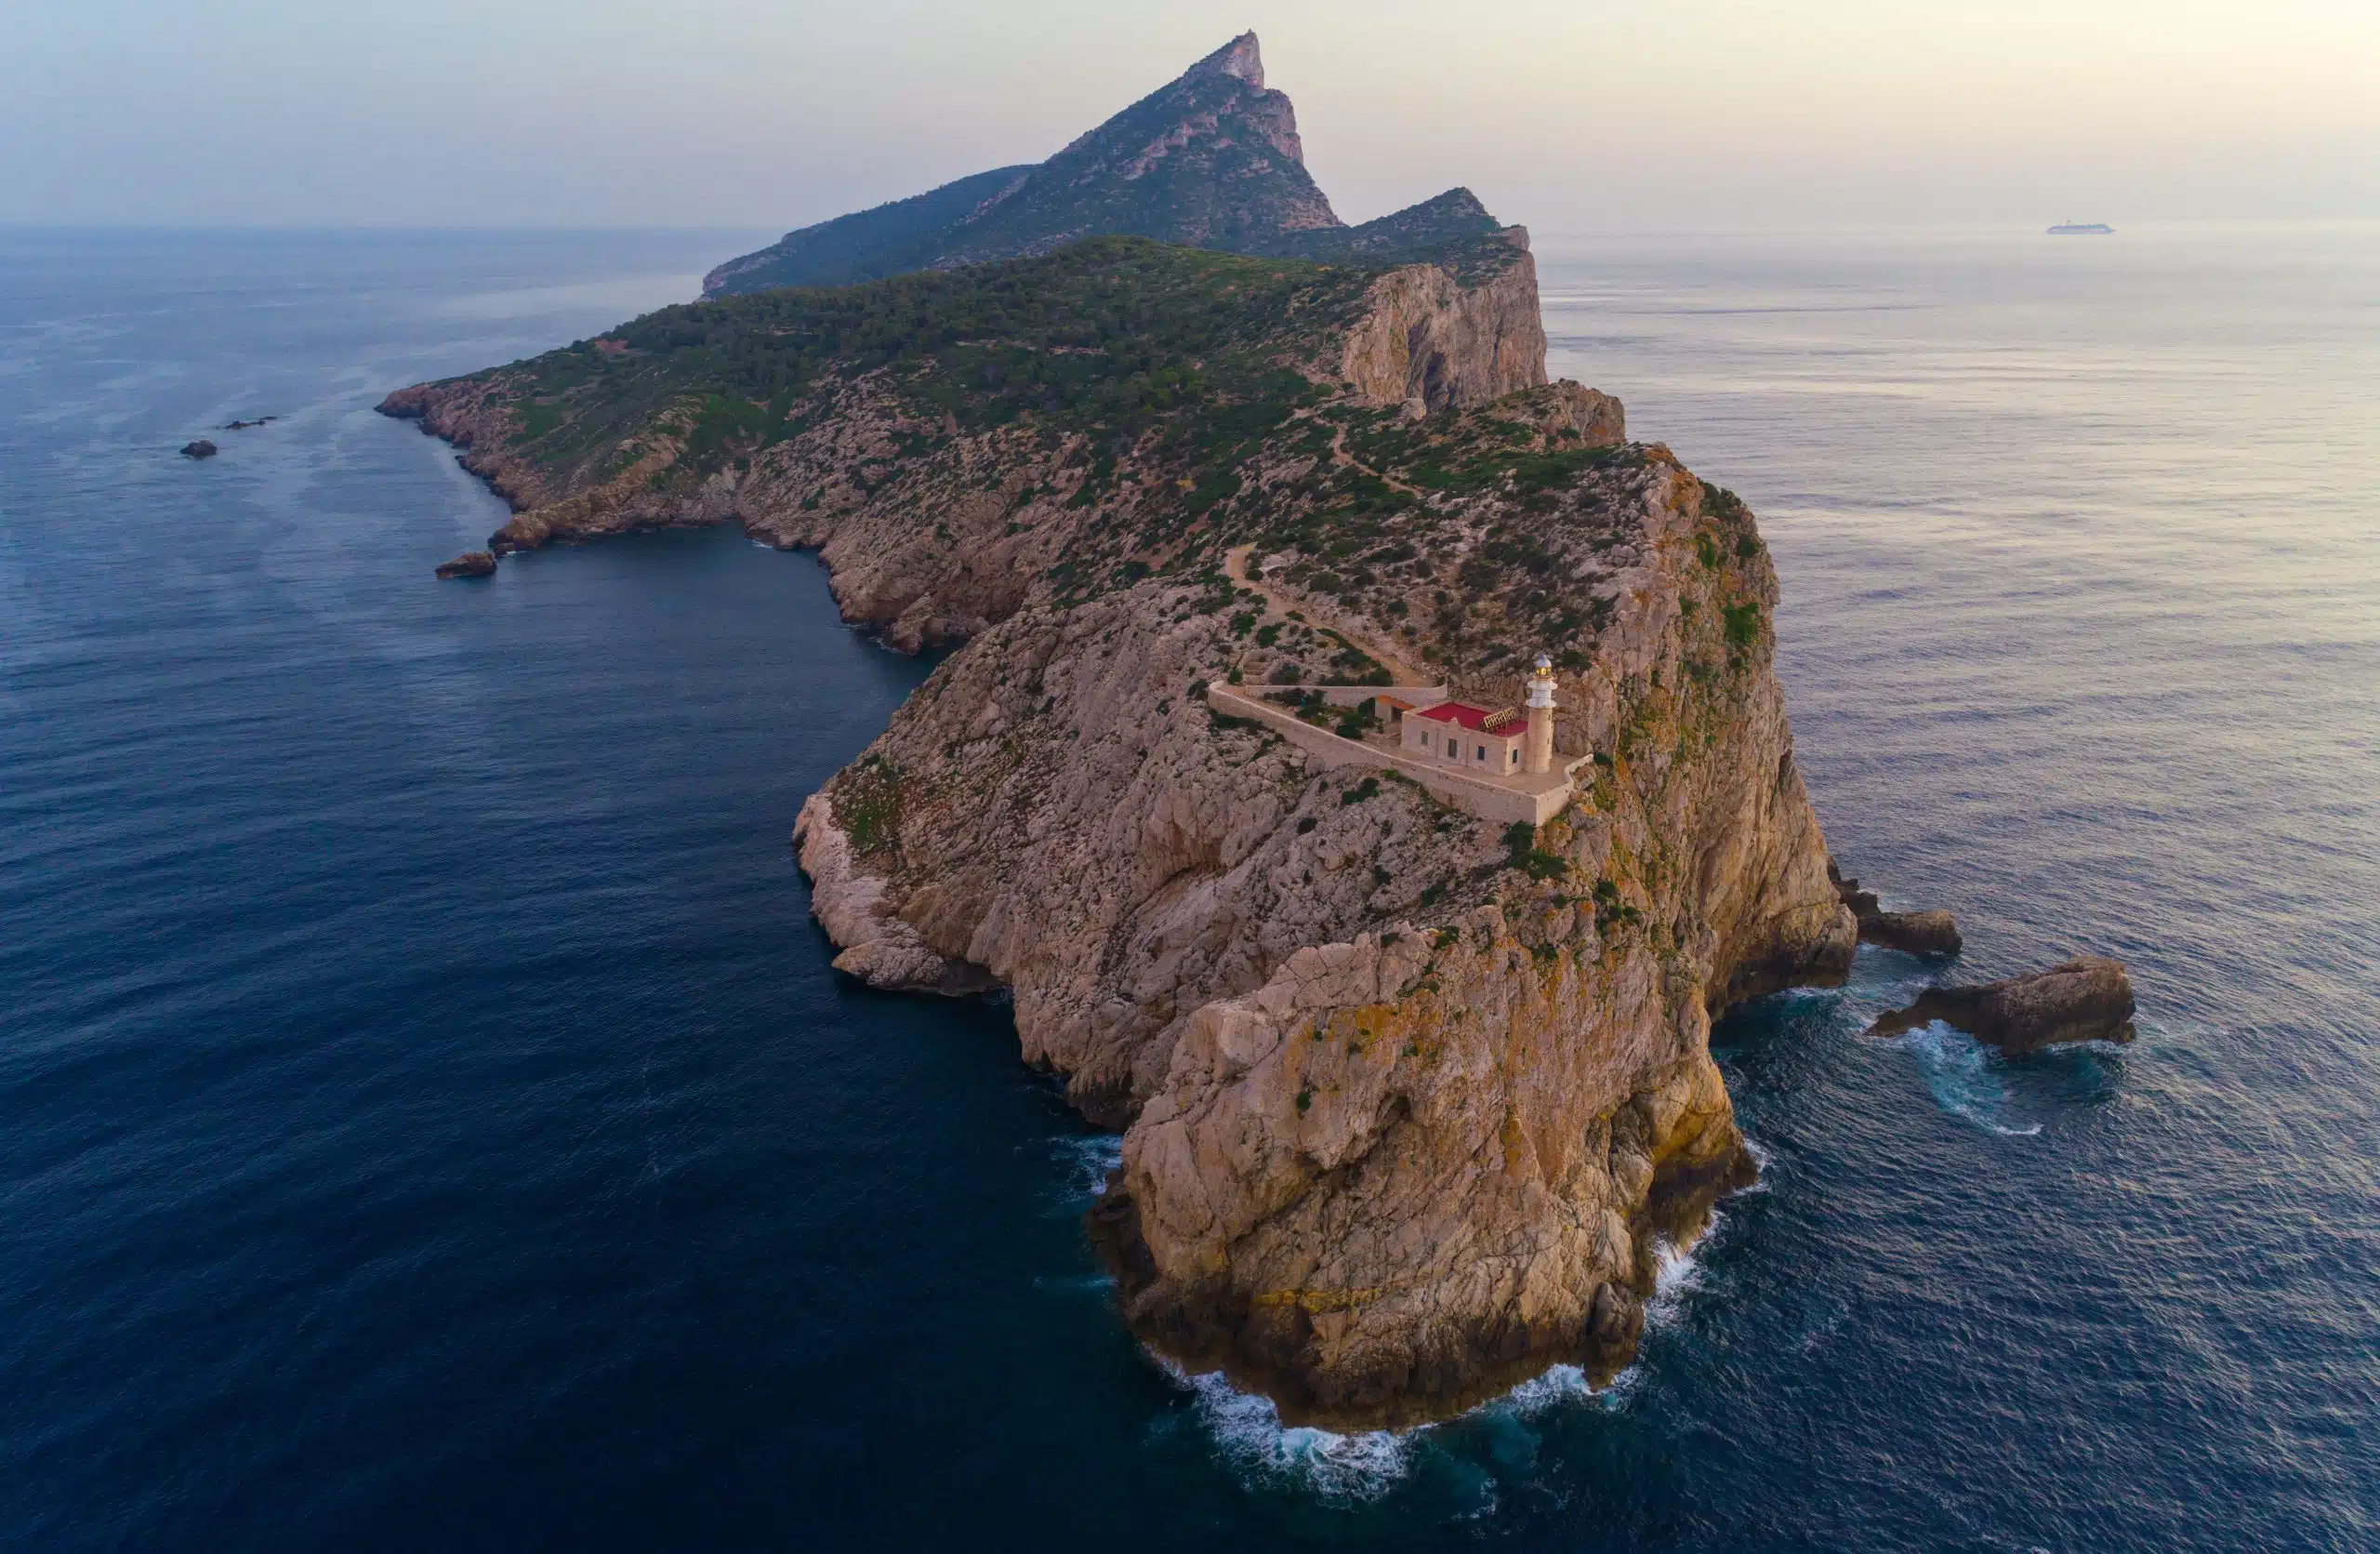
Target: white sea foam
1555 1387
1085 1163
1760 1160
1677 1274
1246 1428
1963 1076
1364 1465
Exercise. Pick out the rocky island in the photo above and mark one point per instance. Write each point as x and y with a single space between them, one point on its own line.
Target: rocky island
1408 1092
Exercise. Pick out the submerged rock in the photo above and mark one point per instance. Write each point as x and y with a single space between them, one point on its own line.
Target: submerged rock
1926 933
471 564
2088 999
202 449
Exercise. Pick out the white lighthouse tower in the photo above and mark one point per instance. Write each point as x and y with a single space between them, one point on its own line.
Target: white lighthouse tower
1539 753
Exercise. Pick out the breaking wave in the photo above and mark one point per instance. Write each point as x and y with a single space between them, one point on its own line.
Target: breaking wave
1963 1076
1084 1163
1359 1465
1677 1274
1247 1431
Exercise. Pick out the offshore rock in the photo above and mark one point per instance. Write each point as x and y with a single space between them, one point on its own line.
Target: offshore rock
2088 999
471 564
1926 933
201 449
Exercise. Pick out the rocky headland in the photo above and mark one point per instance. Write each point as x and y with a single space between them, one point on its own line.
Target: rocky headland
1408 1097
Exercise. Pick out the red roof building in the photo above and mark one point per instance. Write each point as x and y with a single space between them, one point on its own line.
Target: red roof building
1460 735
1502 721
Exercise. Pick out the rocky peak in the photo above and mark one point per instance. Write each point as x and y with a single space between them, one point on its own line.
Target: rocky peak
1212 119
1210 159
1238 57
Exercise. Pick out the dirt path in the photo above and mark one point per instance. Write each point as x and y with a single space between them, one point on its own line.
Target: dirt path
1339 454
1235 568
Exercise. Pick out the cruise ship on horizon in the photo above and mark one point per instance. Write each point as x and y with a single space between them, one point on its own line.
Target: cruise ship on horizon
2082 229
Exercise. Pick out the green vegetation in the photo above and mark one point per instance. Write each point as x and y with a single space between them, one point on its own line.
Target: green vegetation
1523 853
1610 912
533 420
1117 333
1134 408
1356 721
867 805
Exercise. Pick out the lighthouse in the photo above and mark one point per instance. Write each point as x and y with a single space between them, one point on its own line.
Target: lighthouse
1538 756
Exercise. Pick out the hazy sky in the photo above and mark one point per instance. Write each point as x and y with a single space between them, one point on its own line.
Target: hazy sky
1567 114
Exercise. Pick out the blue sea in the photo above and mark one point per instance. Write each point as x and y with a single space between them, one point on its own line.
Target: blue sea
427 1119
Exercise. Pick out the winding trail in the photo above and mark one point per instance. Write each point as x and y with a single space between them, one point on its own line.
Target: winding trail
1339 456
1400 668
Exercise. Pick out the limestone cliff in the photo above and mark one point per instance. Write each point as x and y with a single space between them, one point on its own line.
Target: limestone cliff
1426 336
1408 1097
1405 1118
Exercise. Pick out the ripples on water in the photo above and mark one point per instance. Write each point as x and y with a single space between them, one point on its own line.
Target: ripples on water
430 1120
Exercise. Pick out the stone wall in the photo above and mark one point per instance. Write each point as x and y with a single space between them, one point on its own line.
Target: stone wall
1489 801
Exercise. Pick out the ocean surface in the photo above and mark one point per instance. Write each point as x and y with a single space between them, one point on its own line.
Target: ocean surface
427 1119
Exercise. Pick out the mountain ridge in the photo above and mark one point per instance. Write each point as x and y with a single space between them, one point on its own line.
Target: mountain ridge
1212 160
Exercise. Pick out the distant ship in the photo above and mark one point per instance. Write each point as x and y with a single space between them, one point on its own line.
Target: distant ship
2082 229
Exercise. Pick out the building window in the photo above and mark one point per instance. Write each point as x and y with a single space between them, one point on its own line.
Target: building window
1482 755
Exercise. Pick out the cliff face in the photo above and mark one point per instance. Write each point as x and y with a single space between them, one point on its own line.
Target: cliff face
1410 1097
1425 336
1405 1122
